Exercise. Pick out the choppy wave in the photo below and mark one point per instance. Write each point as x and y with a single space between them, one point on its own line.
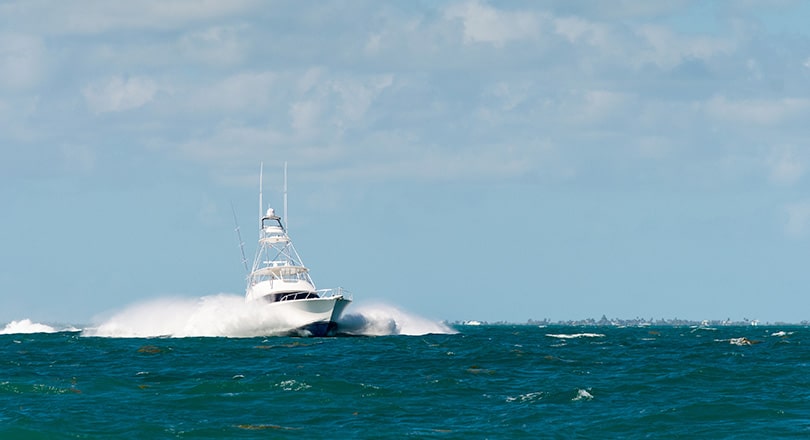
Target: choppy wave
491 381
743 341
228 315
575 335
583 395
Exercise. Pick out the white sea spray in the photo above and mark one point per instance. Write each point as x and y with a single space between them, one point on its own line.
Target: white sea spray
382 320
25 326
575 335
228 315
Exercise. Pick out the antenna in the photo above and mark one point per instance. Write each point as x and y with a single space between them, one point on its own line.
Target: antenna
239 236
261 205
286 224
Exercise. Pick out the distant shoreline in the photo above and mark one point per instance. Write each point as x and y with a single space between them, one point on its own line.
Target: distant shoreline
616 322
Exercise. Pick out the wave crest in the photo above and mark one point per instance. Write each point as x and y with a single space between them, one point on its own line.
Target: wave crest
575 336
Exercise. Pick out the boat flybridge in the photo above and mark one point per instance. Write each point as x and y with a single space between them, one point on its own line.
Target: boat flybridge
279 279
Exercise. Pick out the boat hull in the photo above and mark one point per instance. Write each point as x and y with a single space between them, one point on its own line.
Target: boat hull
316 317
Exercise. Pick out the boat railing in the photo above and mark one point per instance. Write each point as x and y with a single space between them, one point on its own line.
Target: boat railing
337 291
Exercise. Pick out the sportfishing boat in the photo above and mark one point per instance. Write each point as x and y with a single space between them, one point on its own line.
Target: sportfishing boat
279 280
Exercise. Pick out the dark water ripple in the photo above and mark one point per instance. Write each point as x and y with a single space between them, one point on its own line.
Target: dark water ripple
485 382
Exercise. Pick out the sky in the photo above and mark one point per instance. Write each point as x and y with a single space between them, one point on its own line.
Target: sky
497 161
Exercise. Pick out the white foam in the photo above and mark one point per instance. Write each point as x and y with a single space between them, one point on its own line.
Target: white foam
528 397
704 328
26 326
583 394
575 335
383 320
740 341
221 315
227 315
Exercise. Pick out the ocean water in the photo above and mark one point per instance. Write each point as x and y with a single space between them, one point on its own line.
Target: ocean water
500 382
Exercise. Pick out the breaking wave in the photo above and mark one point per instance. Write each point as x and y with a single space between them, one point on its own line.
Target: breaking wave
227 315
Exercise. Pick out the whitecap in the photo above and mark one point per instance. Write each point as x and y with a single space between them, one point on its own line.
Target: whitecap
528 397
583 394
293 385
741 341
704 328
575 335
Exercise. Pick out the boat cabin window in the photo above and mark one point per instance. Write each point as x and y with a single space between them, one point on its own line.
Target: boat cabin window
288 296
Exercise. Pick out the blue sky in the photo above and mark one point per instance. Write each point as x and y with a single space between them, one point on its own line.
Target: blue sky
460 160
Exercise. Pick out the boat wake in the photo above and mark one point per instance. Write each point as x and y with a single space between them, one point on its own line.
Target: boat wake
220 315
227 315
382 320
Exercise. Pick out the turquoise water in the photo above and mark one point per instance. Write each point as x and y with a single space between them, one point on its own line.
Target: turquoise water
483 382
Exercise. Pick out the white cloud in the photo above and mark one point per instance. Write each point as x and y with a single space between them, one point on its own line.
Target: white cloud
305 116
334 102
93 17
798 219
654 147
373 44
602 104
357 96
242 91
756 111
21 61
666 49
485 24
397 157
785 166
754 69
309 80
579 30
471 73
118 94
623 10
508 94
218 45
231 143
79 158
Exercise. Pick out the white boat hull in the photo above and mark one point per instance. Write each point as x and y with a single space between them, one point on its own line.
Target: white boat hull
311 317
